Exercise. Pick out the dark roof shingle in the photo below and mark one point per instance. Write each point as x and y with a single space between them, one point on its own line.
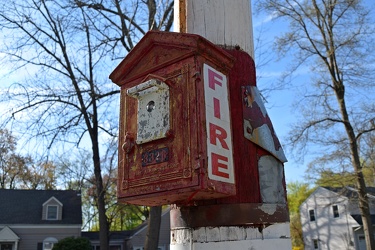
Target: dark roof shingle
26 206
113 235
350 192
358 218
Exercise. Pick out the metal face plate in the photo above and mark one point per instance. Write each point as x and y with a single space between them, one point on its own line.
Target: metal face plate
155 156
218 125
153 173
153 110
257 124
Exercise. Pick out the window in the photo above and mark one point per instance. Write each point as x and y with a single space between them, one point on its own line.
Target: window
6 246
335 210
48 243
312 215
52 212
316 244
47 246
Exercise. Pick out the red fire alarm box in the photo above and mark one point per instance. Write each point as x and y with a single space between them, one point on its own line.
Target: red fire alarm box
175 139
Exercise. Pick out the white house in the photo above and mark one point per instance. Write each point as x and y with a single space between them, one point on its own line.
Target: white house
330 219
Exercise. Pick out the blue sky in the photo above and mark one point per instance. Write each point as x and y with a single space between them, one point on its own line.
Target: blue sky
279 102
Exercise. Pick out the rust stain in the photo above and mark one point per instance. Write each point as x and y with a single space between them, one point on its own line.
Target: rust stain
258 127
182 13
243 214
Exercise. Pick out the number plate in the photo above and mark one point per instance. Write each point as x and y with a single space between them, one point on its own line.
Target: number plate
155 156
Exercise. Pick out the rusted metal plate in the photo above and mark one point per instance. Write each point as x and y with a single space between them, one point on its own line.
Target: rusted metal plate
243 214
155 156
257 124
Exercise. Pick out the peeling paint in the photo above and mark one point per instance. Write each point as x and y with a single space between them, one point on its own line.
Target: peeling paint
268 209
153 110
271 174
258 127
273 237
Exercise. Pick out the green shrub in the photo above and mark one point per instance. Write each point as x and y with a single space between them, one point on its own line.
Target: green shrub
72 243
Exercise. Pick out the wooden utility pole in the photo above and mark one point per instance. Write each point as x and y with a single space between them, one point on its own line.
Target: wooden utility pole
257 217
223 22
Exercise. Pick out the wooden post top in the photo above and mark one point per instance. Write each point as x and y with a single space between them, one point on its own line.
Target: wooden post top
224 22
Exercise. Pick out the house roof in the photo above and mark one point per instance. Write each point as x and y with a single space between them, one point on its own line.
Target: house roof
26 206
7 234
113 235
358 218
350 192
344 192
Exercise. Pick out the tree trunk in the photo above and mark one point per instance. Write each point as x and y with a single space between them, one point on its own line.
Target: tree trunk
100 192
152 237
361 185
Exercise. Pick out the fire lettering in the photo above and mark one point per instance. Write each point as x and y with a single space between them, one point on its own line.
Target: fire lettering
218 133
217 165
214 78
219 138
217 108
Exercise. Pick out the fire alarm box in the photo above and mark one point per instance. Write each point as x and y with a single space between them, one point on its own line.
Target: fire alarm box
175 139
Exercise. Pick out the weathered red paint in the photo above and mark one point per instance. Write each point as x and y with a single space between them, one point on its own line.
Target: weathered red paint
246 207
182 176
245 152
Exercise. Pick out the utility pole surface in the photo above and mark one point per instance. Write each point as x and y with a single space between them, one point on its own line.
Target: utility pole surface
257 217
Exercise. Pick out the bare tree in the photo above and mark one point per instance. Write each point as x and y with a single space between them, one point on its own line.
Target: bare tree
125 31
334 38
63 101
121 23
67 47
